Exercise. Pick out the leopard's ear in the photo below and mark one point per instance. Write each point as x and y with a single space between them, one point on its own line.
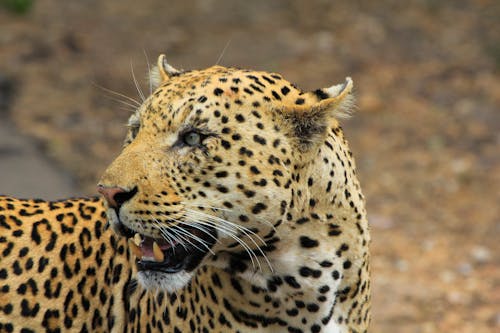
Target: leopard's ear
161 72
309 123
337 100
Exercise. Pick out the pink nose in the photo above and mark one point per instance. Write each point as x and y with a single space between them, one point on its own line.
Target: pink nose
115 196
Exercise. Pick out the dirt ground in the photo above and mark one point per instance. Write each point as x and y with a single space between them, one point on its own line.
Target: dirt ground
426 133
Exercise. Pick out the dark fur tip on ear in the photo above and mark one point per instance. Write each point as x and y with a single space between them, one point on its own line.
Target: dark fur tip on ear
307 126
162 72
340 101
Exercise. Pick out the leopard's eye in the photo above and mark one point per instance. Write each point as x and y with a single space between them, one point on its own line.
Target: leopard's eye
192 138
133 131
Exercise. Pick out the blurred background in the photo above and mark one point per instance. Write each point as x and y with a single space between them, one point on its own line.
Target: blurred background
426 133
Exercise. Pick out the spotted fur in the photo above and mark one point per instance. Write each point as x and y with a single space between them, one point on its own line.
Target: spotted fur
268 168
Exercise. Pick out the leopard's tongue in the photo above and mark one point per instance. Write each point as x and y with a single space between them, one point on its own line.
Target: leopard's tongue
147 248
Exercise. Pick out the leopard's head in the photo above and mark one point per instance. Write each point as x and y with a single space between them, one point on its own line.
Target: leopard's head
210 166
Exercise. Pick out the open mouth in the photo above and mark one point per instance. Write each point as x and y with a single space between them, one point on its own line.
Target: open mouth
173 253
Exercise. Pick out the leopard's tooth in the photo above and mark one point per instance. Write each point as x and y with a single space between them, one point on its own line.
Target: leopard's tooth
134 248
137 239
158 253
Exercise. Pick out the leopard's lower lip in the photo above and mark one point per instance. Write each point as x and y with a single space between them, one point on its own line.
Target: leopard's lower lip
170 256
176 259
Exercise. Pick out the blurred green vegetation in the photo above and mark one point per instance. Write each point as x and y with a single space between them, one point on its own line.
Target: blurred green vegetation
17 6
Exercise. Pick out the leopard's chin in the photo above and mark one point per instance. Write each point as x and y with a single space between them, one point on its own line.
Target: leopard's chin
169 282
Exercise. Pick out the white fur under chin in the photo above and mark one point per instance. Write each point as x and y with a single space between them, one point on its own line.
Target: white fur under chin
152 280
332 327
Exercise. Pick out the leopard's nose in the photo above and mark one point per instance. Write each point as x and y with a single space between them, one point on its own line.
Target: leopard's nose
116 196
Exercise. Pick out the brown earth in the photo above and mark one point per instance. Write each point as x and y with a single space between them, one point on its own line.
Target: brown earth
426 133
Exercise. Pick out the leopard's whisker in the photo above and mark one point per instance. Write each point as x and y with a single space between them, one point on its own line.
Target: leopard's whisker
149 72
247 232
166 235
198 227
181 234
241 229
230 233
205 206
192 236
136 103
137 87
225 210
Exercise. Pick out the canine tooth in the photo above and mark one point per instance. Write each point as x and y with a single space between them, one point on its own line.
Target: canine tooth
158 253
134 248
137 239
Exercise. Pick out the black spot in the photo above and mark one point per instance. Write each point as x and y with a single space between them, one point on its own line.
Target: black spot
269 80
302 220
334 230
285 90
306 272
25 330
254 170
216 280
310 181
259 139
324 289
249 193
300 304
27 311
221 174
308 242
237 265
254 112
239 118
315 328
202 99
225 144
237 286
325 263
299 101
222 188
347 264
275 94
312 307
218 91
321 94
292 282
258 208
245 151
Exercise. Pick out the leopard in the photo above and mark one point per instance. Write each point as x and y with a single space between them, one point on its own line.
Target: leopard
233 206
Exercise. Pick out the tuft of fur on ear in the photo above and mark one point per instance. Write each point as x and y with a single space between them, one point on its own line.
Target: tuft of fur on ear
161 72
340 100
309 123
155 77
